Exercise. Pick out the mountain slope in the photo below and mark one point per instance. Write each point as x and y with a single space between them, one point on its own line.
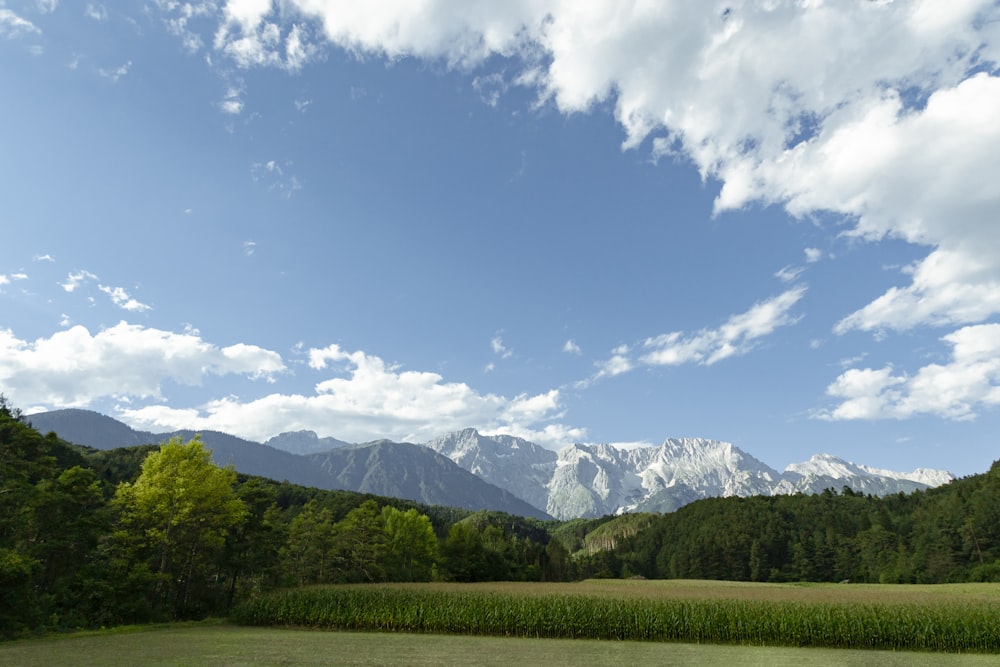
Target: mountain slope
467 469
596 480
517 465
397 470
405 470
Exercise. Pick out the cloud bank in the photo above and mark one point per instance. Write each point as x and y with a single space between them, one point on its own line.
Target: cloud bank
74 368
361 397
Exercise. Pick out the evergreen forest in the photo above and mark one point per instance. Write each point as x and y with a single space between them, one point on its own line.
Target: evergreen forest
95 538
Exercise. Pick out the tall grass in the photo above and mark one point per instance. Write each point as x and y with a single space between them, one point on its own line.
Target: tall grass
949 627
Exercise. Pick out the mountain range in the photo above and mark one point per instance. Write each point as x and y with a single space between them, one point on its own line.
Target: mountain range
501 472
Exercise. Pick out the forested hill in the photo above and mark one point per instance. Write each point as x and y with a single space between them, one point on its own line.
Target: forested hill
947 534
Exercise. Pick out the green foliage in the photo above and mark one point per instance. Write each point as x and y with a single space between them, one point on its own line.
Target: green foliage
92 537
411 545
175 518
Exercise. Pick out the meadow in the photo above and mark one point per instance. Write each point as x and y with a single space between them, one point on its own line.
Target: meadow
223 645
958 618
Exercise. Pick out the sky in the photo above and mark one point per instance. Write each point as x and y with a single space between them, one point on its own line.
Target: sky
769 223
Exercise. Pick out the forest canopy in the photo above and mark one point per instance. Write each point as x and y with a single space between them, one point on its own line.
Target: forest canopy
92 538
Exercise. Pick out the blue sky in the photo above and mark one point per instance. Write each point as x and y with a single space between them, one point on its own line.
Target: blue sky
572 222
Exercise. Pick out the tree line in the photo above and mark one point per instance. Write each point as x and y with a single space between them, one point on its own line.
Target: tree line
941 535
93 538
102 537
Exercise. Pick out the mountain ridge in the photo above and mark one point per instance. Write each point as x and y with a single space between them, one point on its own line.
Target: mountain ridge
444 483
515 475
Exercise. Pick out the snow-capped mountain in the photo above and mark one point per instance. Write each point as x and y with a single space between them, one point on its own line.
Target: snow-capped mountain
824 471
595 480
576 481
517 465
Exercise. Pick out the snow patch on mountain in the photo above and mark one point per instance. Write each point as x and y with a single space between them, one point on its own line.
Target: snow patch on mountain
596 480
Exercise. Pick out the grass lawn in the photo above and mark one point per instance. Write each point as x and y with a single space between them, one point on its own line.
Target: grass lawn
221 644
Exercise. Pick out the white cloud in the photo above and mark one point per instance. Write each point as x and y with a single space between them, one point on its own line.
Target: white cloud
882 113
114 75
276 176
499 348
44 258
789 274
6 280
959 389
96 12
571 347
618 363
231 106
232 103
815 106
12 25
245 36
122 299
74 280
369 399
46 6
75 368
737 336
249 248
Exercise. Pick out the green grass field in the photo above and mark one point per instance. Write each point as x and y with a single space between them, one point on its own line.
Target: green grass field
225 645
948 618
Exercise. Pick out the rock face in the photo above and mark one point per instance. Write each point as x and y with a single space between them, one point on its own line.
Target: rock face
595 480
413 472
521 467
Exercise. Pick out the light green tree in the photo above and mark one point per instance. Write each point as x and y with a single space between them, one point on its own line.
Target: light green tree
176 517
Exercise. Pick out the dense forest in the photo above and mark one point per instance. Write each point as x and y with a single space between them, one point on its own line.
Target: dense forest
93 538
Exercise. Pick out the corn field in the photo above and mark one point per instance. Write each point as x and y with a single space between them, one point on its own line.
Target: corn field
932 626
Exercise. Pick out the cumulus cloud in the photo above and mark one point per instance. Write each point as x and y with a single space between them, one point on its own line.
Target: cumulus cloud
737 336
843 107
74 280
250 39
76 367
367 399
882 113
617 364
959 389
